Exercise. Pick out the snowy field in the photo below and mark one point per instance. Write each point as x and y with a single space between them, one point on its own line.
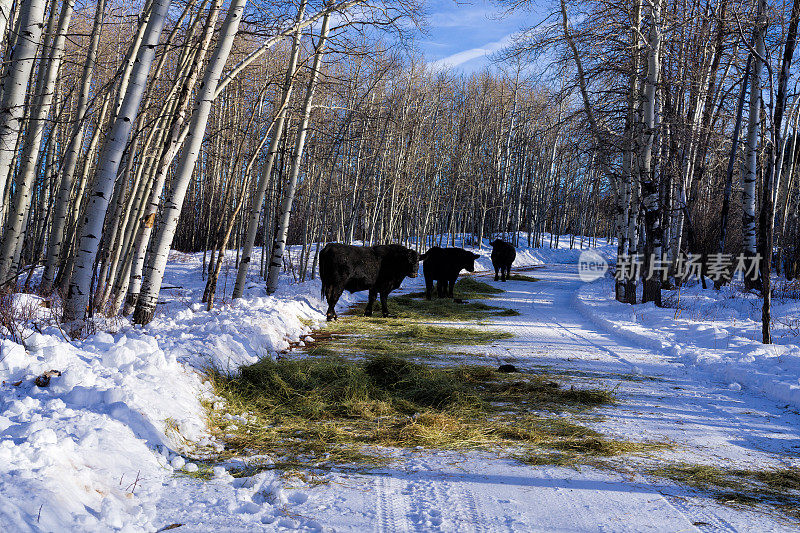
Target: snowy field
112 443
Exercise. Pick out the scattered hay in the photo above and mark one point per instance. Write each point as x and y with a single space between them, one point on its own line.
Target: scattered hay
412 307
204 472
359 335
777 488
360 387
469 287
569 444
324 410
522 277
508 312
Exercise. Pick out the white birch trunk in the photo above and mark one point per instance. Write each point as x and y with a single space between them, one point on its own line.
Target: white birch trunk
751 148
131 56
5 16
46 84
154 270
258 196
92 224
72 153
15 85
173 143
279 244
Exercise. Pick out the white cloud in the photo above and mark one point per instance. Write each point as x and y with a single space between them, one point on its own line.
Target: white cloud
459 58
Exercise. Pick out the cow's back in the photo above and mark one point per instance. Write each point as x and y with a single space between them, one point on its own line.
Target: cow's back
434 263
354 268
446 263
503 253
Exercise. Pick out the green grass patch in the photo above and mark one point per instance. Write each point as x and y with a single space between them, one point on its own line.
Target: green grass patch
415 307
204 472
777 488
521 277
359 335
469 287
329 410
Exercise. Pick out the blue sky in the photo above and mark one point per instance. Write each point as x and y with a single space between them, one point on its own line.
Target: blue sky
461 34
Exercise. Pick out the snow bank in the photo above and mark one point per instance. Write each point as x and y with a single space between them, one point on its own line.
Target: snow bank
92 448
715 331
98 448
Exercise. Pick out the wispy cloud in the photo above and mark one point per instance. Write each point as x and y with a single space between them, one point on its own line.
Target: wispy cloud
459 58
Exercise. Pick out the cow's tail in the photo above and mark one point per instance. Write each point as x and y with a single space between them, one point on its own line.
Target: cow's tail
322 278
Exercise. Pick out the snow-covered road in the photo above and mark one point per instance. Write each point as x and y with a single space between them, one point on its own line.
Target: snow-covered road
661 400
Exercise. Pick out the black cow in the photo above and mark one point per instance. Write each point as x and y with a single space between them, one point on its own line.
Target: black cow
443 266
379 269
503 255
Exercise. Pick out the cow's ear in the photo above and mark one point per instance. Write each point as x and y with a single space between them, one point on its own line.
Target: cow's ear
475 256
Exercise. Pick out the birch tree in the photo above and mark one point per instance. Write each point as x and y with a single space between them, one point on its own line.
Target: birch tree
154 269
279 244
177 134
650 192
13 230
15 85
72 153
261 189
751 146
77 301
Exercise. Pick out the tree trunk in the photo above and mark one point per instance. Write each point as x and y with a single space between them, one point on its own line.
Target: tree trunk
92 224
43 98
15 85
279 243
266 175
650 193
753 125
773 170
157 262
71 156
172 144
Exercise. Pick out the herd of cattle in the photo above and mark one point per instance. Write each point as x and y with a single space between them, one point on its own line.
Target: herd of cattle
381 269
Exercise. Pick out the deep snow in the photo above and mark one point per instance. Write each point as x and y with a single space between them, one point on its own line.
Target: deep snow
715 331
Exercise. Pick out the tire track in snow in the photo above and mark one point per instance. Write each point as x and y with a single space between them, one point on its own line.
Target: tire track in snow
426 506
473 510
393 508
700 517
431 505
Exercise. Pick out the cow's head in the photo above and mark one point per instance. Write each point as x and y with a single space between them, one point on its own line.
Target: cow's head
469 261
413 263
496 242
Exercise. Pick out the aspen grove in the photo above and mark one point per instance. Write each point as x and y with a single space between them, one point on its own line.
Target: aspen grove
130 129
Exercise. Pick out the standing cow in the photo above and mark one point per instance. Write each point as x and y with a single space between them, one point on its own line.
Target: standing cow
503 255
379 269
443 266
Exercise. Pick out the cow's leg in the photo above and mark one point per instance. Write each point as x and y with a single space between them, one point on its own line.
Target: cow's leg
496 274
384 306
428 288
333 294
450 286
370 301
441 288
506 272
